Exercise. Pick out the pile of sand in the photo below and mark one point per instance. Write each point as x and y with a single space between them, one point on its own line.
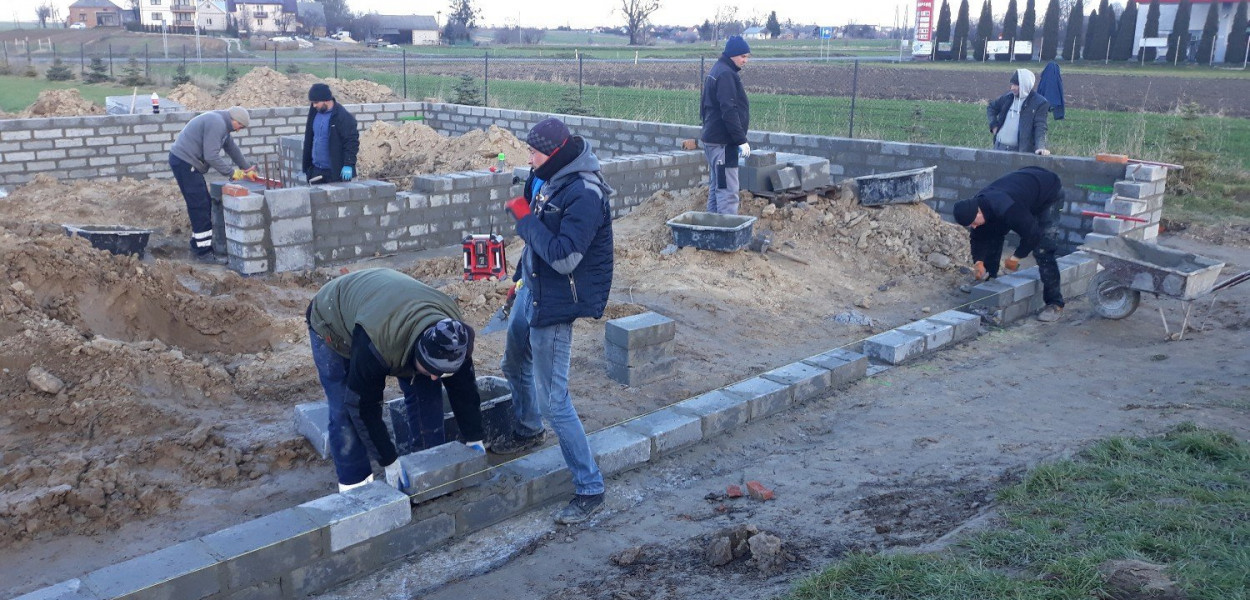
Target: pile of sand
60 103
397 152
264 87
148 203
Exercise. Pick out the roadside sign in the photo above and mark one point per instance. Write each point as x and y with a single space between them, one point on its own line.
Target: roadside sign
922 48
826 33
1024 48
998 46
1155 42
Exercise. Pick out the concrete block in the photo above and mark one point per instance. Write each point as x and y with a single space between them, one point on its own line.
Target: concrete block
617 449
507 498
1126 206
336 192
936 333
761 158
379 190
785 178
844 366
1021 287
543 472
70 589
991 294
1135 172
807 381
717 411
1134 189
251 203
312 420
642 374
360 514
894 347
288 203
640 356
257 550
756 179
640 330
1111 226
764 396
813 170
1096 237
668 429
444 469
248 267
369 556
187 570
294 258
967 326
286 232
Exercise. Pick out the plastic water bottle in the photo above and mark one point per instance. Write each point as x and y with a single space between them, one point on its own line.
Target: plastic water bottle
501 163
156 104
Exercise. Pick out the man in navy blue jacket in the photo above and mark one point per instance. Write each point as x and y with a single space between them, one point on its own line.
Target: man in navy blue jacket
331 140
565 273
1027 202
726 115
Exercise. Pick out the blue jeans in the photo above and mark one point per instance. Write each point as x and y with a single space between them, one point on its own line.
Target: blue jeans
350 444
536 362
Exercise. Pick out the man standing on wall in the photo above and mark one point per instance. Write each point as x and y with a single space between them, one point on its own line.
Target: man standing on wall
375 323
1018 118
330 139
726 117
565 273
199 146
1027 202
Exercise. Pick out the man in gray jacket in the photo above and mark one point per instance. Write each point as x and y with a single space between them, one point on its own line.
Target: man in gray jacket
199 146
1018 119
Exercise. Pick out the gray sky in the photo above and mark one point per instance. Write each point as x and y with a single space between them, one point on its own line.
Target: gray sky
553 13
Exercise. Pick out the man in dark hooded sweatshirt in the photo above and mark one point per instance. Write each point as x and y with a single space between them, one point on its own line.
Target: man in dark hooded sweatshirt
1018 119
565 273
726 117
331 140
1027 202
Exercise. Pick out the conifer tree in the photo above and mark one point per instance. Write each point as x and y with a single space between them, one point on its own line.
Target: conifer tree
1210 29
1028 23
1076 22
985 30
1010 23
1152 29
1122 47
1235 53
1178 40
943 31
1050 32
97 71
959 42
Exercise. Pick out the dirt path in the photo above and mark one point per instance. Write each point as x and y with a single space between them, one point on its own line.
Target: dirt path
894 461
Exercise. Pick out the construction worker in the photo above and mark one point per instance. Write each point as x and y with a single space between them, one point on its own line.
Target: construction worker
375 323
726 115
1027 202
565 273
199 146
331 140
1017 119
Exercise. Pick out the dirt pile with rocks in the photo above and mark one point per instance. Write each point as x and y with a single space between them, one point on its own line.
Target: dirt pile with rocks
263 87
147 203
397 152
60 103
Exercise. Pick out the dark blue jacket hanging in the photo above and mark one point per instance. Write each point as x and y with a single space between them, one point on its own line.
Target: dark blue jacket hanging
1050 86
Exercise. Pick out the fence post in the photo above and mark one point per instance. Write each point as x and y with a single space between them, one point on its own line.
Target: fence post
580 95
275 56
82 59
702 73
227 60
184 56
6 52
110 61
486 79
336 63
854 92
403 54
147 63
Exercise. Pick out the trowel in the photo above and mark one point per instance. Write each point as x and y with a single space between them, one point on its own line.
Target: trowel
497 321
762 242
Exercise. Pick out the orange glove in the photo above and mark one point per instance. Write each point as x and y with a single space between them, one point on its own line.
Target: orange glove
1011 264
519 207
978 270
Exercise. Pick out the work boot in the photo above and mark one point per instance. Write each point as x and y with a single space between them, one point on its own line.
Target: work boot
579 509
514 444
208 258
1050 314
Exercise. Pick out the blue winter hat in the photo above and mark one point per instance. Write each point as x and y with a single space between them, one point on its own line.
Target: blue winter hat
736 46
548 136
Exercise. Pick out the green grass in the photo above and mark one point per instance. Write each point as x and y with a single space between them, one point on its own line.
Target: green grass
16 92
1180 500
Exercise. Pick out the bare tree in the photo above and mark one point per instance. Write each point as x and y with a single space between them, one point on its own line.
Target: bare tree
285 22
637 12
44 12
721 21
244 20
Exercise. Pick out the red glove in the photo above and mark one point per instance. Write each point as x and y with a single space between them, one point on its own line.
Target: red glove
519 207
978 270
1011 264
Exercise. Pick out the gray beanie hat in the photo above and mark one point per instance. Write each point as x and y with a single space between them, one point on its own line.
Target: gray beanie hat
238 113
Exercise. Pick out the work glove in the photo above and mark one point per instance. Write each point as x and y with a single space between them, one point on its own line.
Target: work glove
1043 152
478 445
519 207
238 174
347 173
511 299
744 149
396 475
978 270
1011 264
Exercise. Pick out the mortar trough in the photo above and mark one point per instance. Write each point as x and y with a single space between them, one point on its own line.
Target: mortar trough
711 231
117 239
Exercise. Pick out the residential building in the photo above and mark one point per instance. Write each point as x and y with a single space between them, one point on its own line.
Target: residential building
95 13
211 15
755 33
417 30
1197 18
264 16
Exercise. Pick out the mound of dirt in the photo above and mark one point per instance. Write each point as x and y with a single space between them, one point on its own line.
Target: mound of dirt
193 97
60 103
397 152
147 203
264 87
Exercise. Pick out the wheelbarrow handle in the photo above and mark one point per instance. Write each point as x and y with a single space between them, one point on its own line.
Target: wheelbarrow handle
1092 213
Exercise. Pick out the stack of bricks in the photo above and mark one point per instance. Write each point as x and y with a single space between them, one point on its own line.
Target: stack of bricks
640 349
1012 297
356 219
922 337
243 228
1139 195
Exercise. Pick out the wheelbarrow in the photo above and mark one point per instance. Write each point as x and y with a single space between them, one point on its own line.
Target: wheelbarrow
1130 267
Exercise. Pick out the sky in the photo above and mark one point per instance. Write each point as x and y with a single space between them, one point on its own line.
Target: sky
553 13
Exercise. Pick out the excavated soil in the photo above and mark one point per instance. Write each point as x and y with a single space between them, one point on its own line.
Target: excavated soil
263 87
146 402
394 152
60 103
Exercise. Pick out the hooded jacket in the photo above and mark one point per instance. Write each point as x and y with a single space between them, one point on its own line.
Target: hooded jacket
1031 133
723 108
344 139
568 239
1050 86
1019 201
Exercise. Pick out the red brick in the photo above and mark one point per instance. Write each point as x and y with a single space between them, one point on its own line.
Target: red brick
758 491
734 491
234 190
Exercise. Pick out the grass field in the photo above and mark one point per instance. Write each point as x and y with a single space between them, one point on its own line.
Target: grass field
1179 500
16 92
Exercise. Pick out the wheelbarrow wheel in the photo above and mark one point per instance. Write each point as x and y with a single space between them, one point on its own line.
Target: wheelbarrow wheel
1112 299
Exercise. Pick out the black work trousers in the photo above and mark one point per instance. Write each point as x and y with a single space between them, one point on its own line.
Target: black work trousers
988 248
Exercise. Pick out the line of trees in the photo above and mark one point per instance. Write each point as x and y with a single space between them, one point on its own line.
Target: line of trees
1102 35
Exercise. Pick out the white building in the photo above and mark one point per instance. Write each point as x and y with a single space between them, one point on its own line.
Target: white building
755 33
211 16
417 30
171 13
264 16
1197 18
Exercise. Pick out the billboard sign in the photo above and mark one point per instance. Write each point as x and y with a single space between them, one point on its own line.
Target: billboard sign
924 20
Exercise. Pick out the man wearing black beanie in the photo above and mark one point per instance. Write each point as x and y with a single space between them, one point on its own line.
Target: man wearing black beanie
726 116
330 139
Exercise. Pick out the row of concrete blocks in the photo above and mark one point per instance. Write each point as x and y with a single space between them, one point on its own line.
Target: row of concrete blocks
640 349
1139 195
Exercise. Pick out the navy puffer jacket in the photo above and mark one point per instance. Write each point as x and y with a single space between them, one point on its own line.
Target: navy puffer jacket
568 241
